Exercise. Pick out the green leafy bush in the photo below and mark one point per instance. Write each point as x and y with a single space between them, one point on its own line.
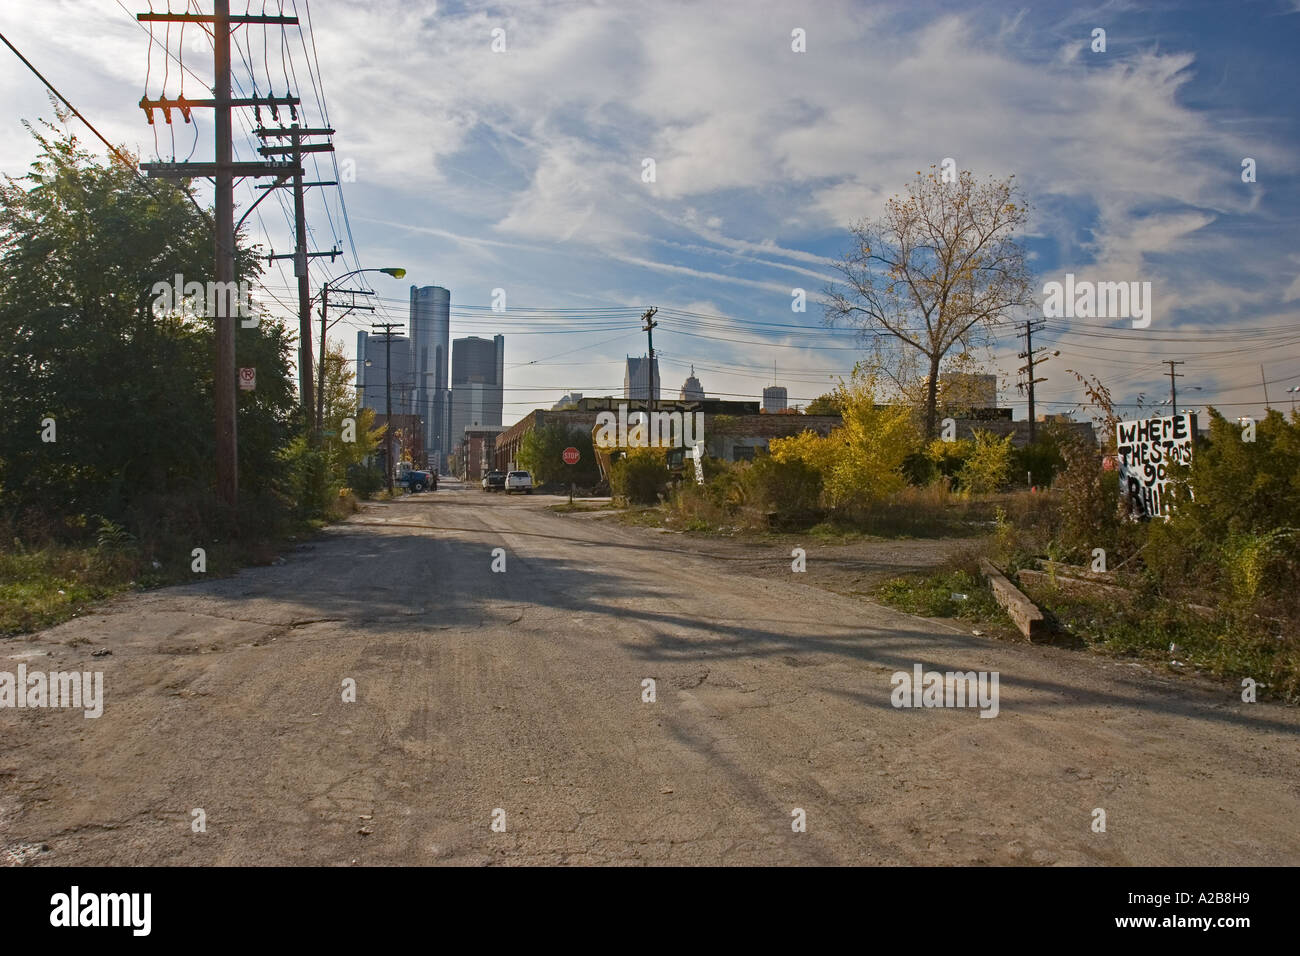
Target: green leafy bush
1039 461
307 477
791 488
640 477
1089 503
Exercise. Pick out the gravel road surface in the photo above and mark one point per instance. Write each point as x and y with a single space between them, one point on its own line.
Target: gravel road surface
516 697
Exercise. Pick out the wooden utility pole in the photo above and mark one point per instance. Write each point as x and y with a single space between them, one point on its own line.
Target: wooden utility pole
1029 355
648 328
223 171
1173 385
324 327
296 148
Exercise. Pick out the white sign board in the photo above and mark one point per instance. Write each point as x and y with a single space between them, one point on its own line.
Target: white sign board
248 379
1146 447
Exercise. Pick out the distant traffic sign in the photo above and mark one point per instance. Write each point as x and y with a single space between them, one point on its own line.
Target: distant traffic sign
571 455
248 379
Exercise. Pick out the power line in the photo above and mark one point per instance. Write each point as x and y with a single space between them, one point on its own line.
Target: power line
121 157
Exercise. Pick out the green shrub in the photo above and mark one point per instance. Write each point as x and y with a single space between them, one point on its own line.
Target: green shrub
1039 461
792 488
307 477
640 477
364 481
1089 497
919 469
1241 486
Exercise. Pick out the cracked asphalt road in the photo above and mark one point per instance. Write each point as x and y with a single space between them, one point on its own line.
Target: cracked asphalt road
522 691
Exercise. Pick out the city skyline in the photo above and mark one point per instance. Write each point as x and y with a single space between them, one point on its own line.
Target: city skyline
1130 153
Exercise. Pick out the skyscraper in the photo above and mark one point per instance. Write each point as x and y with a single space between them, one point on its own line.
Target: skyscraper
775 398
636 378
692 390
430 332
372 381
477 380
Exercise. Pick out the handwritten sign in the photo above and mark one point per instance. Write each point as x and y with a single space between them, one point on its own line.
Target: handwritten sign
1146 447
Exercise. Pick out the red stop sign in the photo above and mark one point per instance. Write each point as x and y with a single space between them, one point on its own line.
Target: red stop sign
570 455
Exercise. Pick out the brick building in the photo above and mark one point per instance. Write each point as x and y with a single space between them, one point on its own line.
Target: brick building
735 431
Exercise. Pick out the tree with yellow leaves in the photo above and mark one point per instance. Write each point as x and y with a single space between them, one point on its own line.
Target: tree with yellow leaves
345 444
941 264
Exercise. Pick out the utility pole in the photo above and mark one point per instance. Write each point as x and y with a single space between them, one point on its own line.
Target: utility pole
324 327
300 255
223 171
388 395
227 438
1263 381
1030 356
648 328
1173 385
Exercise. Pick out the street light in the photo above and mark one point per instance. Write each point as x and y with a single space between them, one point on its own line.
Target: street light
1170 401
1292 391
393 271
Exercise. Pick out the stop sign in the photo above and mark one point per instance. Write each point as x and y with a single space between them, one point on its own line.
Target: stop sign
570 455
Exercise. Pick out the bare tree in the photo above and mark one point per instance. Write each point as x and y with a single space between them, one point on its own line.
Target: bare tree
941 263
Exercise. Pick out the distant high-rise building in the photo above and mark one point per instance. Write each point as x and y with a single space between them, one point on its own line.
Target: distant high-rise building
636 378
573 398
372 381
430 331
692 390
477 384
775 398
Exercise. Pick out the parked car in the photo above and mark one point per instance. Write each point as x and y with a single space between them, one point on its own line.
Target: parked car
519 481
494 480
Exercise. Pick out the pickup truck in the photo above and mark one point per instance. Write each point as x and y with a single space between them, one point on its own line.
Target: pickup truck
420 480
494 481
519 481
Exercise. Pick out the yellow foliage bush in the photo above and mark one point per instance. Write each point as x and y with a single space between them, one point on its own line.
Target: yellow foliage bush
862 461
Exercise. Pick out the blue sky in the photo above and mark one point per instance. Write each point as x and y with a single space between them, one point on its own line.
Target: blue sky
521 170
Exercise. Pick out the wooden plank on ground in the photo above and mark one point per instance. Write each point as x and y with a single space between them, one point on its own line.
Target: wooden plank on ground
1023 612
